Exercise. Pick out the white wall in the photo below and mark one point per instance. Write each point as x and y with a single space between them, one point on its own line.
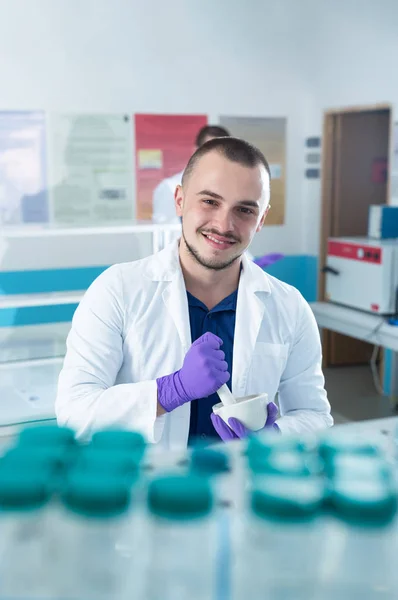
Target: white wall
354 62
357 61
217 57
258 57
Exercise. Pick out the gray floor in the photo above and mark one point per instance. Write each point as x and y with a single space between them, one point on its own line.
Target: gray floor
353 397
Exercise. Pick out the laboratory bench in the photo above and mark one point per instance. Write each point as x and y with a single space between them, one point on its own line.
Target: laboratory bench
31 359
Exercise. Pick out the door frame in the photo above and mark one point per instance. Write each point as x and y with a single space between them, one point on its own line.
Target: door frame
332 128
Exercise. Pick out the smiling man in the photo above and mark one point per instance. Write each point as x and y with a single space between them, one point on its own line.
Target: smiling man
153 340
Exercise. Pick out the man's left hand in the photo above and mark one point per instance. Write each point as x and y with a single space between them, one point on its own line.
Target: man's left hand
237 430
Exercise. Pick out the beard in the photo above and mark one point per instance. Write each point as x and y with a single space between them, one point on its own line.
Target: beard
214 264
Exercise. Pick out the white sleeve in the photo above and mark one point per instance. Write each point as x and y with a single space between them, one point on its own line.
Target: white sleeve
87 397
163 207
303 400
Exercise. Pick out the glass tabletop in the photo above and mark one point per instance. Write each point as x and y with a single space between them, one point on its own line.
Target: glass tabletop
28 391
33 342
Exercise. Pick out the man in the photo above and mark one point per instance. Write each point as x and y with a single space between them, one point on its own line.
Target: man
153 340
164 209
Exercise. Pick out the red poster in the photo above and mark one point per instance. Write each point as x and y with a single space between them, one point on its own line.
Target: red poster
164 144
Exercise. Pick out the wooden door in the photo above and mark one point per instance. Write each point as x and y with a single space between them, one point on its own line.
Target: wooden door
355 144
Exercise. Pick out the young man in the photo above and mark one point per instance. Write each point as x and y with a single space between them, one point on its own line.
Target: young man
164 209
153 340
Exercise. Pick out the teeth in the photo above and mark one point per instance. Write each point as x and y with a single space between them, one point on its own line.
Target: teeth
214 240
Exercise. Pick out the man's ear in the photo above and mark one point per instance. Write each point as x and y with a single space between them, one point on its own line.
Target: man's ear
179 200
260 225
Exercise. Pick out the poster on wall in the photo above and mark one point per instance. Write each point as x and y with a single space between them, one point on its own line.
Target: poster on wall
91 169
269 135
23 185
164 144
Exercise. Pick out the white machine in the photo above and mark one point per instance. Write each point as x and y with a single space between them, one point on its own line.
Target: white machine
363 273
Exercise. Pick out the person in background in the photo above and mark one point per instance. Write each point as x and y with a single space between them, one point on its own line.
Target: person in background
153 340
164 210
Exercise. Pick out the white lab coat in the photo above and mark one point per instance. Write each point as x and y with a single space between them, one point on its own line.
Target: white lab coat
163 205
132 326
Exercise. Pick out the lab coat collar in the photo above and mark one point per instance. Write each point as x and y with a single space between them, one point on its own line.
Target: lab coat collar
165 265
253 278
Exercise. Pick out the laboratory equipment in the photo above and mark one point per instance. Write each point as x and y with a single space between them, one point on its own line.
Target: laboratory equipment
222 470
361 539
251 411
24 526
289 517
278 541
95 517
120 439
47 435
363 273
181 522
383 221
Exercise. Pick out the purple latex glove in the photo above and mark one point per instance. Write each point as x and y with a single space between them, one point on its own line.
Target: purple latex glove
237 430
204 371
268 259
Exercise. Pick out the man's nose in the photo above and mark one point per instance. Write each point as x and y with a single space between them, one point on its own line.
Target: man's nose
225 221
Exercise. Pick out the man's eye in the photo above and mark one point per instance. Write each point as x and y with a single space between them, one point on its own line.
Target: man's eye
246 211
209 201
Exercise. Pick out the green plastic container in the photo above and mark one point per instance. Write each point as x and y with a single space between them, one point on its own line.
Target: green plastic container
267 444
287 498
286 463
47 435
120 440
208 461
365 502
357 467
25 457
337 443
180 497
96 497
24 492
102 461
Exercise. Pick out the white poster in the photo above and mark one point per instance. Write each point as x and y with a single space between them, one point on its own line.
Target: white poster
23 185
91 169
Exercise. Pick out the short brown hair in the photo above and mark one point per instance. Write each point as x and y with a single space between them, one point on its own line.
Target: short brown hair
210 131
234 149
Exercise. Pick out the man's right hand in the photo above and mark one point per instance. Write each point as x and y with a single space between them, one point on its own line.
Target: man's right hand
203 372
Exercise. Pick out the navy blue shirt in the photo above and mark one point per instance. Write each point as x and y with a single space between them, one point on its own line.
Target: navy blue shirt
220 320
